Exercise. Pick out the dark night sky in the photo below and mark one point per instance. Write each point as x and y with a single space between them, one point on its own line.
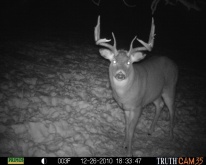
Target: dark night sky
177 28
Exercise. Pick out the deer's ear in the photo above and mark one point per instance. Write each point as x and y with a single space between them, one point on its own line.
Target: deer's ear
106 53
137 56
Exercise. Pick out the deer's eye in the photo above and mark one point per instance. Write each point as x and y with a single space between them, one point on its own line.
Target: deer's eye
128 62
114 61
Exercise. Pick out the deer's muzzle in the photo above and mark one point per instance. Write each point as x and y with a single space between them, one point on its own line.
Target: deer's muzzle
120 76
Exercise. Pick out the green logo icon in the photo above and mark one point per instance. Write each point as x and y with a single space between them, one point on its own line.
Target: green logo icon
15 160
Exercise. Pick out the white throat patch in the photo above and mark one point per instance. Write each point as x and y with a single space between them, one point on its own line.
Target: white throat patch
120 85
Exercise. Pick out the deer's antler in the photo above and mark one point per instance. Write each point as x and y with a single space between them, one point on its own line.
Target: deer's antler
147 46
103 42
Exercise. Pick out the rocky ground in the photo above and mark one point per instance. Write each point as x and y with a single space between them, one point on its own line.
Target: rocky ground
55 100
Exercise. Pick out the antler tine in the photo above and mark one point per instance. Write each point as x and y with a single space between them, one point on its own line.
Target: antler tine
97 30
147 46
114 41
150 43
103 41
131 45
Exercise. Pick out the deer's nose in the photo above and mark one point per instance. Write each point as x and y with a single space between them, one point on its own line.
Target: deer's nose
120 76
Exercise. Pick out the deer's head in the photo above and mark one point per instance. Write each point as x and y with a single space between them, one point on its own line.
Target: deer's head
121 60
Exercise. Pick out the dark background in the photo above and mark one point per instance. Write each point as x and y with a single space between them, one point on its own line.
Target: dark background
179 31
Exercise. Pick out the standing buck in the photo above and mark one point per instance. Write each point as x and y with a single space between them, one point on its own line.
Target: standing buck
136 85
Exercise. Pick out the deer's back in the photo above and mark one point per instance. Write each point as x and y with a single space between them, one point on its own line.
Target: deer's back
154 75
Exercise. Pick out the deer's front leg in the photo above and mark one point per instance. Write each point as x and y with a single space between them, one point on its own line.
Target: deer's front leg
132 115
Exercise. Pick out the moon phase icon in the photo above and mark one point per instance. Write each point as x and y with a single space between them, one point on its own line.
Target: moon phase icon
44 161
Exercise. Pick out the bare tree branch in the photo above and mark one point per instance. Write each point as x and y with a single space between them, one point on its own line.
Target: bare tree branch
167 2
154 5
190 5
128 4
96 3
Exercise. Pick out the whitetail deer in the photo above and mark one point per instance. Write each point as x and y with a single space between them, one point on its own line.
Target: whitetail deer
136 85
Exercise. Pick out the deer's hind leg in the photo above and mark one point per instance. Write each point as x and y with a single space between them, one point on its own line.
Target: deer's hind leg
159 105
169 96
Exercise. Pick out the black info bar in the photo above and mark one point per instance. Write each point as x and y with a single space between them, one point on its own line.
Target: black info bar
103 160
